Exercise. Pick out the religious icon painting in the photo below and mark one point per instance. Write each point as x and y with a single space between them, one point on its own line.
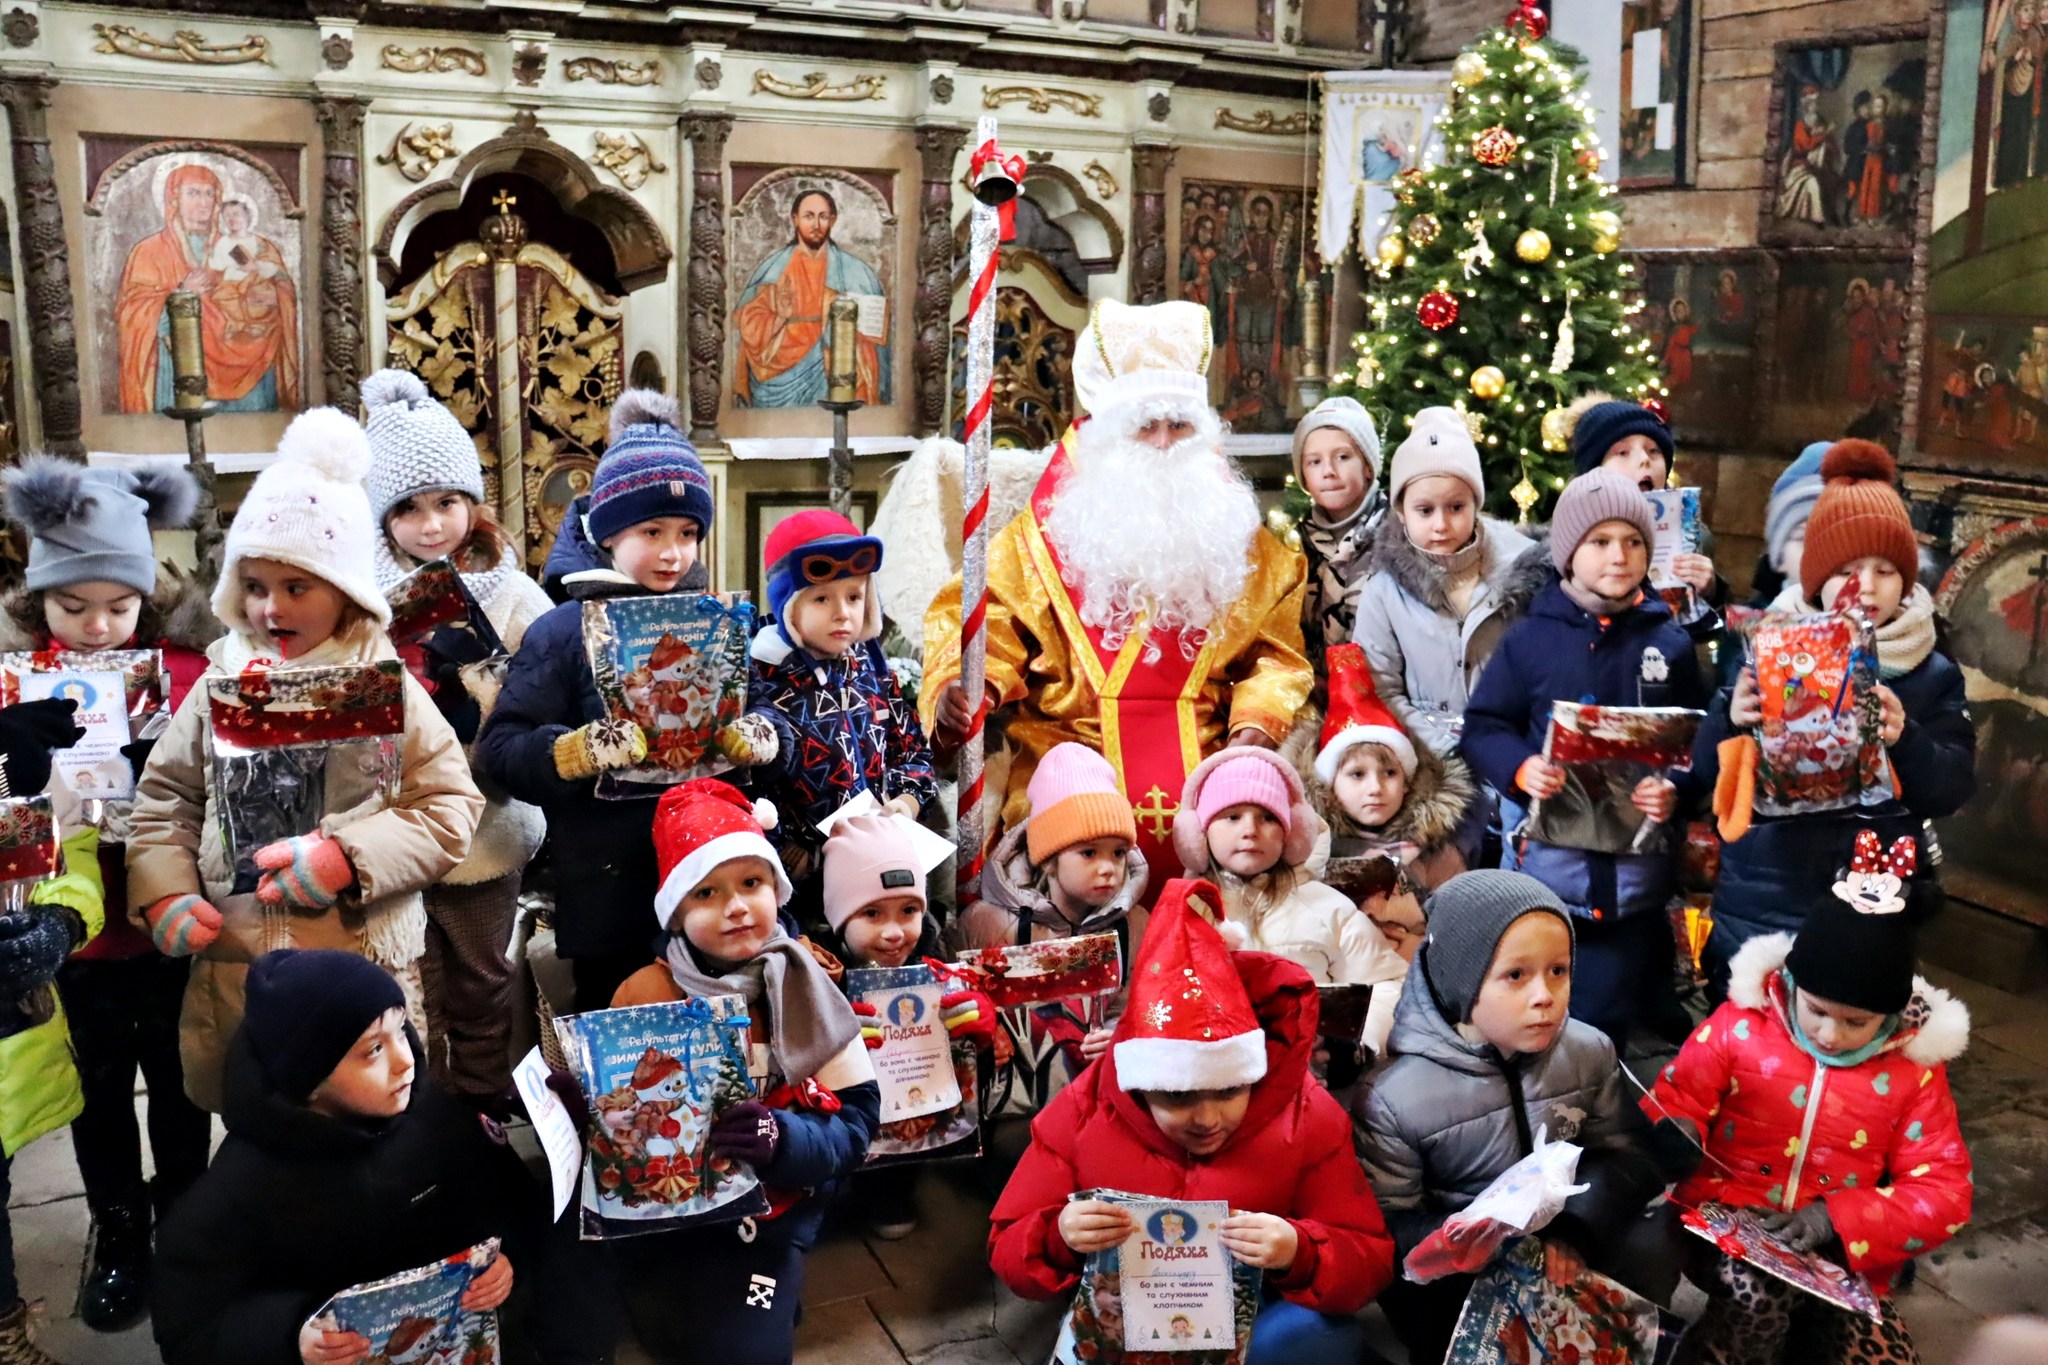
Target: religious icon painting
801 237
1240 257
1838 337
1995 599
217 219
1847 136
1702 312
1655 116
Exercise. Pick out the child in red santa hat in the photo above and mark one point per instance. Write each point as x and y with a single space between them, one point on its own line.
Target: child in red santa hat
697 1294
1206 1095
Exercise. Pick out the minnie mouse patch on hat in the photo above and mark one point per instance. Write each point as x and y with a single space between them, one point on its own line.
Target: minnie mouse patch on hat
1876 880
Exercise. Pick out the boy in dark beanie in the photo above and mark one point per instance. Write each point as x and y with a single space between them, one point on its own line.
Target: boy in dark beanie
343 1164
1831 1052
1594 636
1484 1053
1634 442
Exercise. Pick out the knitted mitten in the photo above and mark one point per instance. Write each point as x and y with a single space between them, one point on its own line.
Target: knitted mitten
1735 787
750 741
33 945
749 1132
870 1023
309 871
598 747
969 1014
182 926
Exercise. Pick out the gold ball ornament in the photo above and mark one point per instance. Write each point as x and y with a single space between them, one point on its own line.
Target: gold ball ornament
1283 528
1488 382
1606 227
1533 245
1424 229
1469 69
1495 146
1556 430
1392 250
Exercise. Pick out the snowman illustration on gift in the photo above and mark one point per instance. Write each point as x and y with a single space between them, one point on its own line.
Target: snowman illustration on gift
412 1342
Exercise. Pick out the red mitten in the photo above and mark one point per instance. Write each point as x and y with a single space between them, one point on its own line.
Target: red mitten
870 1024
182 926
309 871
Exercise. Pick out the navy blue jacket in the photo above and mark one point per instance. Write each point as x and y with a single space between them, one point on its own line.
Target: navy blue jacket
1784 865
843 727
602 851
1560 651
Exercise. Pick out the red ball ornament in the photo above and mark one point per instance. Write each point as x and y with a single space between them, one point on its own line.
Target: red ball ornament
1495 146
1437 310
1656 408
1533 22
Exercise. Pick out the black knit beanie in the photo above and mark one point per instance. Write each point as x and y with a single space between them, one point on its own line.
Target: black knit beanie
1601 425
306 1008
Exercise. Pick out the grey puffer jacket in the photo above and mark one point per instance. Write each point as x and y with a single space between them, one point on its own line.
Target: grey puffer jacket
1446 1114
1425 660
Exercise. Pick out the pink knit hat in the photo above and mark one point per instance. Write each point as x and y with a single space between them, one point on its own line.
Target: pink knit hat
868 857
1074 798
1244 775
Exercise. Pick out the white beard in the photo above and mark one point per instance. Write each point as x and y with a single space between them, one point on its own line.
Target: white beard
1161 536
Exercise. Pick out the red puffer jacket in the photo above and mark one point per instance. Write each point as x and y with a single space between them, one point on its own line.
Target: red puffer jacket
1291 1156
1879 1140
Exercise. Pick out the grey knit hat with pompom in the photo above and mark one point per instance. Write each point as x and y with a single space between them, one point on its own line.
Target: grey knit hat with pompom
92 525
416 445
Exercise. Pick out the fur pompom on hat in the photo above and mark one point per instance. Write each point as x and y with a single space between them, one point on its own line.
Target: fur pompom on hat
1598 421
1189 1023
1858 515
698 825
416 445
649 469
309 510
1260 777
90 525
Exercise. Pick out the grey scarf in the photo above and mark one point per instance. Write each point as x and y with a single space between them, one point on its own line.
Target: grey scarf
809 1022
1340 550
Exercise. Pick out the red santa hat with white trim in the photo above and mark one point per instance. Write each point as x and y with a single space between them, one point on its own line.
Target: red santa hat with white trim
1189 1023
1357 715
700 824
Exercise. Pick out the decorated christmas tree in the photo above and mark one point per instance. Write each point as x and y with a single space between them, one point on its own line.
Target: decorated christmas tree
1496 288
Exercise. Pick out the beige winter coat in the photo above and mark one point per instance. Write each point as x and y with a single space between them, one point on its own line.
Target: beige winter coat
175 847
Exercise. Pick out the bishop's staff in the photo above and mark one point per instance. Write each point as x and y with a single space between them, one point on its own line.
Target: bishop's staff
995 179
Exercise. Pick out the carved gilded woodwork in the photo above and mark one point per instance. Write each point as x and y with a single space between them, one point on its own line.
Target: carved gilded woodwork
815 85
184 46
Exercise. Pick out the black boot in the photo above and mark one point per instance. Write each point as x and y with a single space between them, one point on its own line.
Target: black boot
116 1287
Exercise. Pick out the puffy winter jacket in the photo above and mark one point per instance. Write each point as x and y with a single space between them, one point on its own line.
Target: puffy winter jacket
297 1206
39 1089
1290 1156
1879 1141
1776 872
843 727
1446 1114
602 859
1562 652
1011 900
1425 658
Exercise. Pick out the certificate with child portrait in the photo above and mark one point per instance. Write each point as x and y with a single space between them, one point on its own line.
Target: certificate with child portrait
928 1080
1175 1272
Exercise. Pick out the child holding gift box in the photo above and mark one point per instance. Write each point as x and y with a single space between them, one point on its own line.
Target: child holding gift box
298 588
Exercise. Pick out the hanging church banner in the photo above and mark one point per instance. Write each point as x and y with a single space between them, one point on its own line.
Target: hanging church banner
215 218
1983 392
1376 124
801 237
1240 256
1846 139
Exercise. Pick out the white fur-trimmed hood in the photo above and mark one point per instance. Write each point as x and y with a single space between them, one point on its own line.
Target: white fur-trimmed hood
1935 1027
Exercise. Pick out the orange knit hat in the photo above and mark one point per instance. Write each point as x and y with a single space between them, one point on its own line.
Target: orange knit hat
1859 514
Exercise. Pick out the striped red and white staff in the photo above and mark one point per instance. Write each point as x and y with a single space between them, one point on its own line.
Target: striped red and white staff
995 179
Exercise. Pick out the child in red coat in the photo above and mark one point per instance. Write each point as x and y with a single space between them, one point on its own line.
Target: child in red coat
1820 1091
1206 1094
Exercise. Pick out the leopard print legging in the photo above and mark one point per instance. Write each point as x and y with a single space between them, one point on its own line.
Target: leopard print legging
1755 1319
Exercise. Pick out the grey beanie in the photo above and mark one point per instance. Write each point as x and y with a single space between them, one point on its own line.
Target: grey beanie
1468 915
1348 416
416 445
1790 506
92 525
1596 496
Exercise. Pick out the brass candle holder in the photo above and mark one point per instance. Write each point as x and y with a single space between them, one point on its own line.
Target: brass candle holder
1313 381
189 405
842 389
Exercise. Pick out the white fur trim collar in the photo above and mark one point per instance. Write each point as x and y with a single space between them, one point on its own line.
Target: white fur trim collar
1941 1035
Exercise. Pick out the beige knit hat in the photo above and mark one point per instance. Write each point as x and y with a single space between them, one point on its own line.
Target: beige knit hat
1438 443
